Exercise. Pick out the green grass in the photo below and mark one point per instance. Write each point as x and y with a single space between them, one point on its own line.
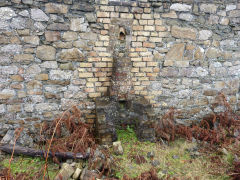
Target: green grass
183 167
29 165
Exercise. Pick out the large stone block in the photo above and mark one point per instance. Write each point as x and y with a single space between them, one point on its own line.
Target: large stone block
186 16
71 55
11 48
213 53
49 64
34 87
14 108
234 13
91 17
70 36
77 24
9 69
52 36
180 7
38 15
58 27
205 34
183 32
23 58
2 109
208 8
31 40
201 72
7 93
60 75
56 8
46 107
176 52
33 69
6 13
19 23
46 52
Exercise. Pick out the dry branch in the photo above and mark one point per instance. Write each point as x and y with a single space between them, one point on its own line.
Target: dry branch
36 153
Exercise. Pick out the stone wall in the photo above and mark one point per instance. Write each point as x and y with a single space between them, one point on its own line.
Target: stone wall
55 54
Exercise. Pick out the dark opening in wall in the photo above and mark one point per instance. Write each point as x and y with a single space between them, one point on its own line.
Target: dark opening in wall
122 34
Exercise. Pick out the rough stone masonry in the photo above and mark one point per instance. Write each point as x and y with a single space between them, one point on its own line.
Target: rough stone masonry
55 54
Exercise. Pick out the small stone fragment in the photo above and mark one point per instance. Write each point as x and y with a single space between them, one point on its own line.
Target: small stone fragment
77 173
117 148
65 173
175 157
151 154
155 163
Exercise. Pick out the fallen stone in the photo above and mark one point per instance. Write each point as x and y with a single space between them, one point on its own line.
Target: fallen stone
87 174
155 163
175 157
117 148
23 140
65 173
38 15
151 154
77 173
